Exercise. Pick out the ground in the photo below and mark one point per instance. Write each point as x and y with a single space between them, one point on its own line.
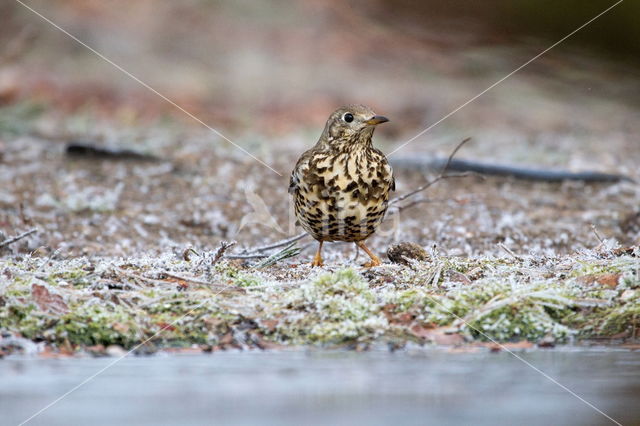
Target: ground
109 265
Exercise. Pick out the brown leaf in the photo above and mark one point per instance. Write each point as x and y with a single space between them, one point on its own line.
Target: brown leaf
96 350
270 325
438 335
402 318
624 251
47 301
163 326
497 347
458 277
227 339
607 280
121 327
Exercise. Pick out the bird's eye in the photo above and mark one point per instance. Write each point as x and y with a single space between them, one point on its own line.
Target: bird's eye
348 117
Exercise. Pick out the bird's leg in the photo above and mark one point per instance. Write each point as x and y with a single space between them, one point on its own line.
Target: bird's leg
317 259
375 261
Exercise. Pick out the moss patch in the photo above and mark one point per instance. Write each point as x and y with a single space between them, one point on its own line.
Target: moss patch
126 302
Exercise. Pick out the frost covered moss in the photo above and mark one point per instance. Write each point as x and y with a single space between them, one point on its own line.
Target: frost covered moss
125 301
333 308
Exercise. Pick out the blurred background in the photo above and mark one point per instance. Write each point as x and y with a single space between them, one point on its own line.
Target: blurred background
267 75
275 67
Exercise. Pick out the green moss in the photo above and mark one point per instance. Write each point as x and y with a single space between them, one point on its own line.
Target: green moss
334 308
614 266
513 301
76 277
246 280
92 325
622 318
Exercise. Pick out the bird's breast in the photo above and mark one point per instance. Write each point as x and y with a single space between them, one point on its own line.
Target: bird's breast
343 193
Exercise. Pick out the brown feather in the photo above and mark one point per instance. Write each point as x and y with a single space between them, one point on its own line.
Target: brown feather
341 186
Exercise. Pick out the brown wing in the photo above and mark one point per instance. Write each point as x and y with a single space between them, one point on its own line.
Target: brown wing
386 165
296 174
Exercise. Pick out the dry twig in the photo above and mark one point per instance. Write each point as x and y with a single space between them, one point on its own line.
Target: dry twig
509 251
277 244
17 237
193 280
224 246
441 176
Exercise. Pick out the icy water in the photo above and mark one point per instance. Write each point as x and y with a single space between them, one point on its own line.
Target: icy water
317 387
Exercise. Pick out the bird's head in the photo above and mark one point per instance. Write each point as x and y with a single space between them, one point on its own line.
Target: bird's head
351 124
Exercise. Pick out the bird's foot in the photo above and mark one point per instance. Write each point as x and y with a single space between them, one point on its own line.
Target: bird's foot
375 261
317 261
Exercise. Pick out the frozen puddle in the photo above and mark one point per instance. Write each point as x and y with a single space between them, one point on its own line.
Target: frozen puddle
323 387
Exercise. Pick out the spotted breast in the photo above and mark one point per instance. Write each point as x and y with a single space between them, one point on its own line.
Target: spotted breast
341 186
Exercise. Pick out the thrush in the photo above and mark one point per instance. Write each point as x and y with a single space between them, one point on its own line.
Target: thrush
341 186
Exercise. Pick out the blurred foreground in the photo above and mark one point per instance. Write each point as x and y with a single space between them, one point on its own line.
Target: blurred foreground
317 388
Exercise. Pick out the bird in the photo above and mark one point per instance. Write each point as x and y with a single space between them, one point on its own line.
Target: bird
341 186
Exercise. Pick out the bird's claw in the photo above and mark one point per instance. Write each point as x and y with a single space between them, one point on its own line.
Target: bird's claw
372 263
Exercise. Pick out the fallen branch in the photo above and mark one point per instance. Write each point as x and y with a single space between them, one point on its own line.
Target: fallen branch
159 282
428 200
90 151
17 237
257 252
441 176
280 243
225 287
523 173
193 280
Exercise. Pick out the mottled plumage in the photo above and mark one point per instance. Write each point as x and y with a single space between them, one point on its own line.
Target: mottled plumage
341 185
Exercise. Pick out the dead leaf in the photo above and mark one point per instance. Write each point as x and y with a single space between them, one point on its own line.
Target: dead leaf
120 327
270 325
439 336
48 302
96 350
607 280
227 339
163 326
403 318
497 347
458 277
624 251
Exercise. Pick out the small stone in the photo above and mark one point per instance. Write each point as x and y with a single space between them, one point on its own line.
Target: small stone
115 351
399 253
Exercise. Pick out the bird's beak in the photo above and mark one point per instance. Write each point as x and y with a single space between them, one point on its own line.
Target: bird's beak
376 119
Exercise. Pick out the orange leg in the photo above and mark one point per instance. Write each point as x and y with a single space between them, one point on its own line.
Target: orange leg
375 261
317 259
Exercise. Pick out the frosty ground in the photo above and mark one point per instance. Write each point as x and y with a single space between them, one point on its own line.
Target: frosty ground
124 249
125 257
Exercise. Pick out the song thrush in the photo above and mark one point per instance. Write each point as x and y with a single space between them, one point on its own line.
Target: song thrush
341 185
